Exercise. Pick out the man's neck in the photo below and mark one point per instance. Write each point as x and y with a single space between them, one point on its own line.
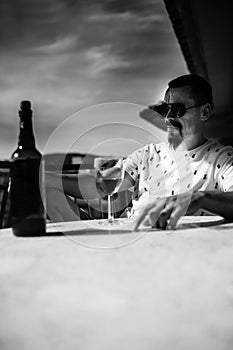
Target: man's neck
192 142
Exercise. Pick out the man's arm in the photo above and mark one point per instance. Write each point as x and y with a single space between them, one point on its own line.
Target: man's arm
166 212
219 203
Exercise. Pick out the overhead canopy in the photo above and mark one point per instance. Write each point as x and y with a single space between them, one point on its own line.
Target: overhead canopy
203 29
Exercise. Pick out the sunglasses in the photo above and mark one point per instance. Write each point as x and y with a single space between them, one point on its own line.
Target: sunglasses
173 110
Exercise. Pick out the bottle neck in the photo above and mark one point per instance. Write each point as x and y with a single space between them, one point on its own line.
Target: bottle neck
26 138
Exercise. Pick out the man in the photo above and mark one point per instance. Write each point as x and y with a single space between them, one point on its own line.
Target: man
188 104
183 176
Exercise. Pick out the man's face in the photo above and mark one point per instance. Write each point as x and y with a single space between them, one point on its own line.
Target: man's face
188 127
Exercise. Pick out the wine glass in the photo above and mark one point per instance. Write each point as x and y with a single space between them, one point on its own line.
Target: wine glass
109 175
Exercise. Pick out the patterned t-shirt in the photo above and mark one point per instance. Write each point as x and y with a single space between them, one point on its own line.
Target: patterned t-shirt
159 171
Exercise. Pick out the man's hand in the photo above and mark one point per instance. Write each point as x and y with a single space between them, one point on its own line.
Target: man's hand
165 212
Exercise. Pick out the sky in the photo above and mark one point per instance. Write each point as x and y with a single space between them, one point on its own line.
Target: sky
84 64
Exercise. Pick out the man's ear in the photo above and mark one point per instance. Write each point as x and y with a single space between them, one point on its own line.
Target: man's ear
206 112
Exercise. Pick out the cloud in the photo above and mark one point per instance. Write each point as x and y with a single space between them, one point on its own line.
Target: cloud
25 23
60 45
103 58
139 7
65 55
124 18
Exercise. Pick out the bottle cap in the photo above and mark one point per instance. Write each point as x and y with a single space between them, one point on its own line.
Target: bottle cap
25 105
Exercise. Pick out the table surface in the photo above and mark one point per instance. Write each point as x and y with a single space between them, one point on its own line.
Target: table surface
84 286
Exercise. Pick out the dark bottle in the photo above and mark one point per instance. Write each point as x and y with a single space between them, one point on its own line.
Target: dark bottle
27 209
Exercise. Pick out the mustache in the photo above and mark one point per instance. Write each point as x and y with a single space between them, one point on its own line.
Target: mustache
175 123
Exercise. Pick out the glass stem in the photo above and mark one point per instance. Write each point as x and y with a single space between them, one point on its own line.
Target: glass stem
110 216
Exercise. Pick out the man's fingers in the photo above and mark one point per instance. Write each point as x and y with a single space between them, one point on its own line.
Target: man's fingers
174 217
153 209
146 222
164 215
153 217
140 217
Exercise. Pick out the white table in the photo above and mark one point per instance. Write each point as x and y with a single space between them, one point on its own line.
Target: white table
156 290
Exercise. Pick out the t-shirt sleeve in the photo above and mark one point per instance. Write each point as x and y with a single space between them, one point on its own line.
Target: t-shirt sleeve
224 169
131 164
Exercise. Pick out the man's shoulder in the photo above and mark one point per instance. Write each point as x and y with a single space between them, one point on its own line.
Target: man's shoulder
218 147
218 152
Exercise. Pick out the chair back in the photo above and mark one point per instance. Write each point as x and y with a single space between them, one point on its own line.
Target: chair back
90 209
